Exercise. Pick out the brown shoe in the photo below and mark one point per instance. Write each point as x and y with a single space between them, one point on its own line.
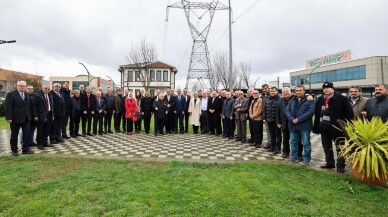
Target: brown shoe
268 145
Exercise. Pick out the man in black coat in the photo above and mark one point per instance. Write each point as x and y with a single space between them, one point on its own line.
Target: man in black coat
269 115
214 107
18 114
32 97
44 112
328 109
59 113
146 110
160 112
110 109
170 120
99 113
65 92
88 105
75 113
187 115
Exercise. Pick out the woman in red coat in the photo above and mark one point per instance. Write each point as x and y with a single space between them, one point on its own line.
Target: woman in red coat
130 111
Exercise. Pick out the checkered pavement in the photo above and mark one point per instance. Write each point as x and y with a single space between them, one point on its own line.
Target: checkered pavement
185 147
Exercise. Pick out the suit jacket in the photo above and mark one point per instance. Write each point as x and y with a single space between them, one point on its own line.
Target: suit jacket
216 105
66 97
228 109
59 104
171 102
147 105
84 103
162 108
281 117
100 106
41 108
180 105
119 103
17 109
109 103
242 114
187 103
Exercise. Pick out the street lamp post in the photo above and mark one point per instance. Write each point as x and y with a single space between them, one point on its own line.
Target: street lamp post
87 72
310 77
254 84
5 42
114 84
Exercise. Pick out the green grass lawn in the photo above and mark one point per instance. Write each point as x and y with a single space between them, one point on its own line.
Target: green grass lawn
48 186
3 123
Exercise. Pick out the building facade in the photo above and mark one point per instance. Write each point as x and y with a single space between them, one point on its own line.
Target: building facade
9 78
75 82
364 73
151 76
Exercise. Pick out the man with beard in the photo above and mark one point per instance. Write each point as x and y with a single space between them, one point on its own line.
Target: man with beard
256 117
266 90
329 108
357 101
378 106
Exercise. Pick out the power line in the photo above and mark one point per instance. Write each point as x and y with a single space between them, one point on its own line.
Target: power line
249 8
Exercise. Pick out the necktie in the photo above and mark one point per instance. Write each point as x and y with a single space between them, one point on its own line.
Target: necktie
22 94
213 101
179 98
46 103
88 101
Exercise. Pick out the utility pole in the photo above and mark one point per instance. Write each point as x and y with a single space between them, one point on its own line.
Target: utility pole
230 50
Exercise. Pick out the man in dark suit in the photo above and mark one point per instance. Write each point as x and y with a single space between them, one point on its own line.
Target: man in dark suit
170 120
65 93
228 116
44 112
59 113
88 105
180 111
75 113
187 115
18 113
160 112
110 110
329 108
30 93
99 114
214 111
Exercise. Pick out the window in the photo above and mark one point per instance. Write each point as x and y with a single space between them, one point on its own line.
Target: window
129 76
137 76
152 93
158 75
165 75
152 75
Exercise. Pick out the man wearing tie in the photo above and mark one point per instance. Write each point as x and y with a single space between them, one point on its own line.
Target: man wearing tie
44 108
214 110
180 111
99 114
18 113
170 121
59 113
187 115
88 105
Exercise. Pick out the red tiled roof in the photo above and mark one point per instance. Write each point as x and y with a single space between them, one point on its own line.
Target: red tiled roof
5 74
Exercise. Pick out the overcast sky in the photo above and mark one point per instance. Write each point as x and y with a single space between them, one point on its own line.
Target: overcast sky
275 36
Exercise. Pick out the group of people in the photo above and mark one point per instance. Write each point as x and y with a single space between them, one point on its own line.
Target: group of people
287 117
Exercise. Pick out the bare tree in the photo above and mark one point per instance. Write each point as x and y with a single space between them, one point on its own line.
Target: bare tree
220 69
245 73
142 57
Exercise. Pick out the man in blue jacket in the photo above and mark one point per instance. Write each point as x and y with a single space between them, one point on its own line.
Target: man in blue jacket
299 113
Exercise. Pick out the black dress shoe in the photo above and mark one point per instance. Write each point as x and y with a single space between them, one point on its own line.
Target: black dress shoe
15 153
33 144
89 134
65 137
258 146
101 133
155 134
53 142
110 132
48 145
340 169
40 147
60 140
27 152
83 135
276 152
327 166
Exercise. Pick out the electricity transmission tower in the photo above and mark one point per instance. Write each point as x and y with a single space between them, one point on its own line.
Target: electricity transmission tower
199 16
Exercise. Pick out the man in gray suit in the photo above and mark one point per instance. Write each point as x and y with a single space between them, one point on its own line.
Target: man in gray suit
241 109
227 116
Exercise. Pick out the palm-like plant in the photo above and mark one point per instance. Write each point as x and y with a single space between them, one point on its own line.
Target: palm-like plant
366 146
